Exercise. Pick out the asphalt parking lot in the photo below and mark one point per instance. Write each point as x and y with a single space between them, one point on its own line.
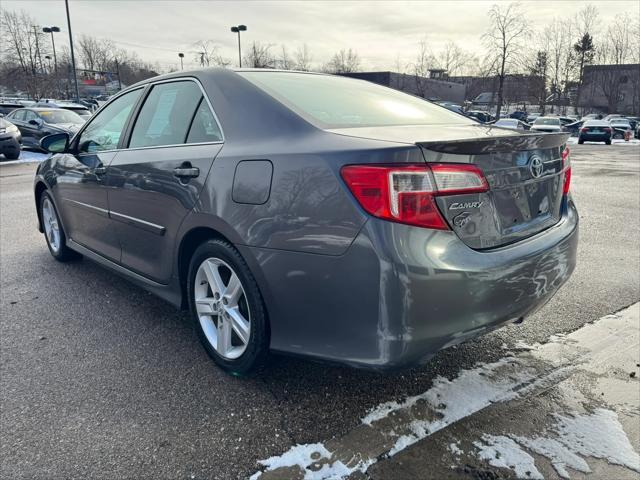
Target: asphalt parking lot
99 379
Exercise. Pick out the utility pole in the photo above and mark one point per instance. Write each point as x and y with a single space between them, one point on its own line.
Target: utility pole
73 58
38 56
118 73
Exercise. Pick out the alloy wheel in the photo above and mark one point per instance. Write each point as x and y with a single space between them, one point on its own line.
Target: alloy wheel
51 225
222 308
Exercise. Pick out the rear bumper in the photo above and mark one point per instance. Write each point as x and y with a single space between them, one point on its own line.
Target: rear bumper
595 137
402 293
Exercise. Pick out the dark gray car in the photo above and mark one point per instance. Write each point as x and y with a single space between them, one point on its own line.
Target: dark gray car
313 215
35 123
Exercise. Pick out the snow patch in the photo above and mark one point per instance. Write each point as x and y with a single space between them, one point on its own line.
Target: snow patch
26 156
503 452
453 448
305 455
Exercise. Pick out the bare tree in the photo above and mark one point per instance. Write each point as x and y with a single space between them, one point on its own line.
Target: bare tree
260 56
207 54
303 58
285 62
505 40
425 61
453 58
344 61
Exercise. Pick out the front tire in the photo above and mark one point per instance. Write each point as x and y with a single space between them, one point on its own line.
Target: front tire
227 308
53 230
12 155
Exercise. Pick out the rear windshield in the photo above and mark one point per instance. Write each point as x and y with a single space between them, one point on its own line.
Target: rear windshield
546 121
335 102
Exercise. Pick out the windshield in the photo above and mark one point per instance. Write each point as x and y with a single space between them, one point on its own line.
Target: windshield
546 121
334 102
60 116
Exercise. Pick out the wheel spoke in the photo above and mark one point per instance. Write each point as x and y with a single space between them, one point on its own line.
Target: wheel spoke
223 336
213 277
239 324
205 306
233 290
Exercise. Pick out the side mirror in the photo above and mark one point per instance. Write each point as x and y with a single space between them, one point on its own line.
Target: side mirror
56 143
37 123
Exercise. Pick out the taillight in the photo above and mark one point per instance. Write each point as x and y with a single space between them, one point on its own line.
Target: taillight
607 129
584 129
566 166
406 193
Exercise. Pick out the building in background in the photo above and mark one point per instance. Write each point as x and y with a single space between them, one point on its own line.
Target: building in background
519 89
611 89
429 88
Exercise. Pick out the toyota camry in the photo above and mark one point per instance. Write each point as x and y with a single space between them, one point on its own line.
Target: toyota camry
313 215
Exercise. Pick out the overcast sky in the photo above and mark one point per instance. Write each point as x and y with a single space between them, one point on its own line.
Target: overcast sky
379 31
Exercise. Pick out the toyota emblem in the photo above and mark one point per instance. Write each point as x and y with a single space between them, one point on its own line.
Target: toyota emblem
536 166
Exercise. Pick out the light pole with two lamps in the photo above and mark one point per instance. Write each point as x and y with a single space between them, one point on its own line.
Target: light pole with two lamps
238 29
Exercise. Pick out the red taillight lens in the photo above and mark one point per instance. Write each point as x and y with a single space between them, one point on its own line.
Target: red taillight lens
566 165
584 129
406 193
607 129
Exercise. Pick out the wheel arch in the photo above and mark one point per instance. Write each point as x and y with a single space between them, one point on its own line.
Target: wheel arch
38 190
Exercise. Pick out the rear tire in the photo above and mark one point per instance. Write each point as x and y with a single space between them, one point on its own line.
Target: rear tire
608 142
580 141
12 155
53 230
227 308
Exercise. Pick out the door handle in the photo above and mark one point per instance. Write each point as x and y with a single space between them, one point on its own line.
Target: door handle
100 170
186 171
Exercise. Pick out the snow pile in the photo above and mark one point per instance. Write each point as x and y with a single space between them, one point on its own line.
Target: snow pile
502 452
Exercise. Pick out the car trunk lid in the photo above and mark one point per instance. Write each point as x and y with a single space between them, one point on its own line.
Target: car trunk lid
525 173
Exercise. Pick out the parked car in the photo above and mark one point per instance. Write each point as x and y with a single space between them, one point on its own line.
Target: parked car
620 127
481 116
532 117
36 123
520 115
574 128
595 131
8 107
547 124
454 107
313 214
10 140
76 108
611 116
512 123
592 116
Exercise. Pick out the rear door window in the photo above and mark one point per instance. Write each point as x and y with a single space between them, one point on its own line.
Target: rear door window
166 115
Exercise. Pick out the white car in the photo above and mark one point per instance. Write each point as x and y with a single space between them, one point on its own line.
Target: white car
620 126
511 124
547 124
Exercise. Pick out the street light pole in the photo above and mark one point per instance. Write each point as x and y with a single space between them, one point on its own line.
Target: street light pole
238 29
181 55
53 30
73 58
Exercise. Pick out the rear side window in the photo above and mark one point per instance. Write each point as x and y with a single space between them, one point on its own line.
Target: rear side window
333 102
204 127
166 115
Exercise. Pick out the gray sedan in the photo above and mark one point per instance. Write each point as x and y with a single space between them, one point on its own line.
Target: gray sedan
313 215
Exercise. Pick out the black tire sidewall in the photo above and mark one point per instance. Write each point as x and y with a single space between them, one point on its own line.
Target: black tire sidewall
257 349
63 252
